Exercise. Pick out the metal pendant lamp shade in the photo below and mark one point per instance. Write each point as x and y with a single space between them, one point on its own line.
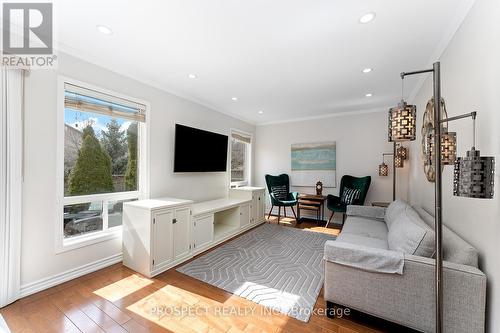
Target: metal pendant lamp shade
402 122
402 152
448 148
398 161
474 176
383 170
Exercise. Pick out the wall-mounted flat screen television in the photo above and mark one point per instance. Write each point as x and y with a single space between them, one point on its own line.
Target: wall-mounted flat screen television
197 150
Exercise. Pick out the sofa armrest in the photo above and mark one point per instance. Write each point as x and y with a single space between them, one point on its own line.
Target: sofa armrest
377 213
408 299
363 257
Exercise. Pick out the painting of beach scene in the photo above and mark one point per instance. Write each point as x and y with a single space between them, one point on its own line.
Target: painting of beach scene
312 162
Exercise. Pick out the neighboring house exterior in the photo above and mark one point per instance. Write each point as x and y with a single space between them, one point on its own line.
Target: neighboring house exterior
72 144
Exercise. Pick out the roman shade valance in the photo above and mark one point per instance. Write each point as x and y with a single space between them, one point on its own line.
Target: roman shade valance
240 137
82 99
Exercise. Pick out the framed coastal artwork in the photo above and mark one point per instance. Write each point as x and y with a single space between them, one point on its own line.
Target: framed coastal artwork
312 162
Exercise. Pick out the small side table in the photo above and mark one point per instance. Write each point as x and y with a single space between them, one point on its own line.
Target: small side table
381 204
312 202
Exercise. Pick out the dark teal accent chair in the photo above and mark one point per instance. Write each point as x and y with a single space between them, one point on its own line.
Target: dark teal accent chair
334 204
291 197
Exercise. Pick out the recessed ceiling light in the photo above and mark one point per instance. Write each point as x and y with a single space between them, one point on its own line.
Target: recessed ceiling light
261 112
368 95
368 17
104 30
192 76
234 98
367 70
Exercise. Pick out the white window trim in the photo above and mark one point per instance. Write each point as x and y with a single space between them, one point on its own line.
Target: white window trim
248 173
62 244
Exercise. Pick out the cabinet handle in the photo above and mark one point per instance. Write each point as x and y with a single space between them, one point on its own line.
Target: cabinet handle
174 221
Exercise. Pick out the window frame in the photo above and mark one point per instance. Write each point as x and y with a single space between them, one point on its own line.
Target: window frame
248 161
67 244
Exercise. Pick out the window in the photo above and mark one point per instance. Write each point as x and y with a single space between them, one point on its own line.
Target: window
103 157
240 158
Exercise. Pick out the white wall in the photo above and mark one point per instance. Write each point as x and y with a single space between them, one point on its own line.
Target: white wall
39 260
361 139
470 81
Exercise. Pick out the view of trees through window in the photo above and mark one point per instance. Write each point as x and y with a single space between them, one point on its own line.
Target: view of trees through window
238 160
100 156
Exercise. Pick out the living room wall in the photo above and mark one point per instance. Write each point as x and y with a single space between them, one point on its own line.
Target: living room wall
40 265
361 139
470 82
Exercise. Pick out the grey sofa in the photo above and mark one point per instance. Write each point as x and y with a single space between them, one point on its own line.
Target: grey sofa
381 264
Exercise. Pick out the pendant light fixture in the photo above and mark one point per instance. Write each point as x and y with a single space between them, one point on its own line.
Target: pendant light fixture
398 161
402 152
474 174
383 169
402 120
448 148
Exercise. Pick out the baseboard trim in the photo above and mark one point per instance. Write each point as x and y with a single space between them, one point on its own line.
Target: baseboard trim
54 280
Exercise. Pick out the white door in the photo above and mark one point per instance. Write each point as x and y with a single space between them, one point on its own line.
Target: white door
244 215
162 235
182 235
203 231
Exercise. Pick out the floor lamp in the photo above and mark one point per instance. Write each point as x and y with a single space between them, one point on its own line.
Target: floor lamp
398 162
473 174
402 127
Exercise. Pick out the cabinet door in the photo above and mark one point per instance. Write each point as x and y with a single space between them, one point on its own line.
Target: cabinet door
203 231
182 234
260 206
162 235
244 215
254 208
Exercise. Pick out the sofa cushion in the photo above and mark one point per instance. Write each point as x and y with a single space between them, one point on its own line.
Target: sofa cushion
363 240
279 191
349 195
455 248
404 235
426 247
395 209
362 226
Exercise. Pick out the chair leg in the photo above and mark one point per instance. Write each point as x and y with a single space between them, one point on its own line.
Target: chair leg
295 215
327 223
279 214
284 211
270 211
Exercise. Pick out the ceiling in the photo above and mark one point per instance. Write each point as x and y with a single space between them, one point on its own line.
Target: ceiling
290 59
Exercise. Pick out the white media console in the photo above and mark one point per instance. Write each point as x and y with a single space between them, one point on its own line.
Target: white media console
159 234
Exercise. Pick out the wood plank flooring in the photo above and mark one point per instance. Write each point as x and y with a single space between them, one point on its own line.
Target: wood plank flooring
117 300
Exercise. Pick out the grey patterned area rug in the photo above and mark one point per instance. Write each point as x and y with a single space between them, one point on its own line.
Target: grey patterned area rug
278 267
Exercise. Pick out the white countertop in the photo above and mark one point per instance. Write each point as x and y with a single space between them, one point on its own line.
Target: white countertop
158 203
248 188
217 205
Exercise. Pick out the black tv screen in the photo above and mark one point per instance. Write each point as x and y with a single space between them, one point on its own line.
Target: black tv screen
197 150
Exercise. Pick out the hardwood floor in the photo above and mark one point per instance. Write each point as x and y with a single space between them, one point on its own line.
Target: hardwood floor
117 299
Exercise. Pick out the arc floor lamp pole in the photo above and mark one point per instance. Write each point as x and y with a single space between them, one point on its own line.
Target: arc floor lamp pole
436 71
394 172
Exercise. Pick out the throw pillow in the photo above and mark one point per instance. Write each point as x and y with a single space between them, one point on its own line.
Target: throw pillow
280 192
349 195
